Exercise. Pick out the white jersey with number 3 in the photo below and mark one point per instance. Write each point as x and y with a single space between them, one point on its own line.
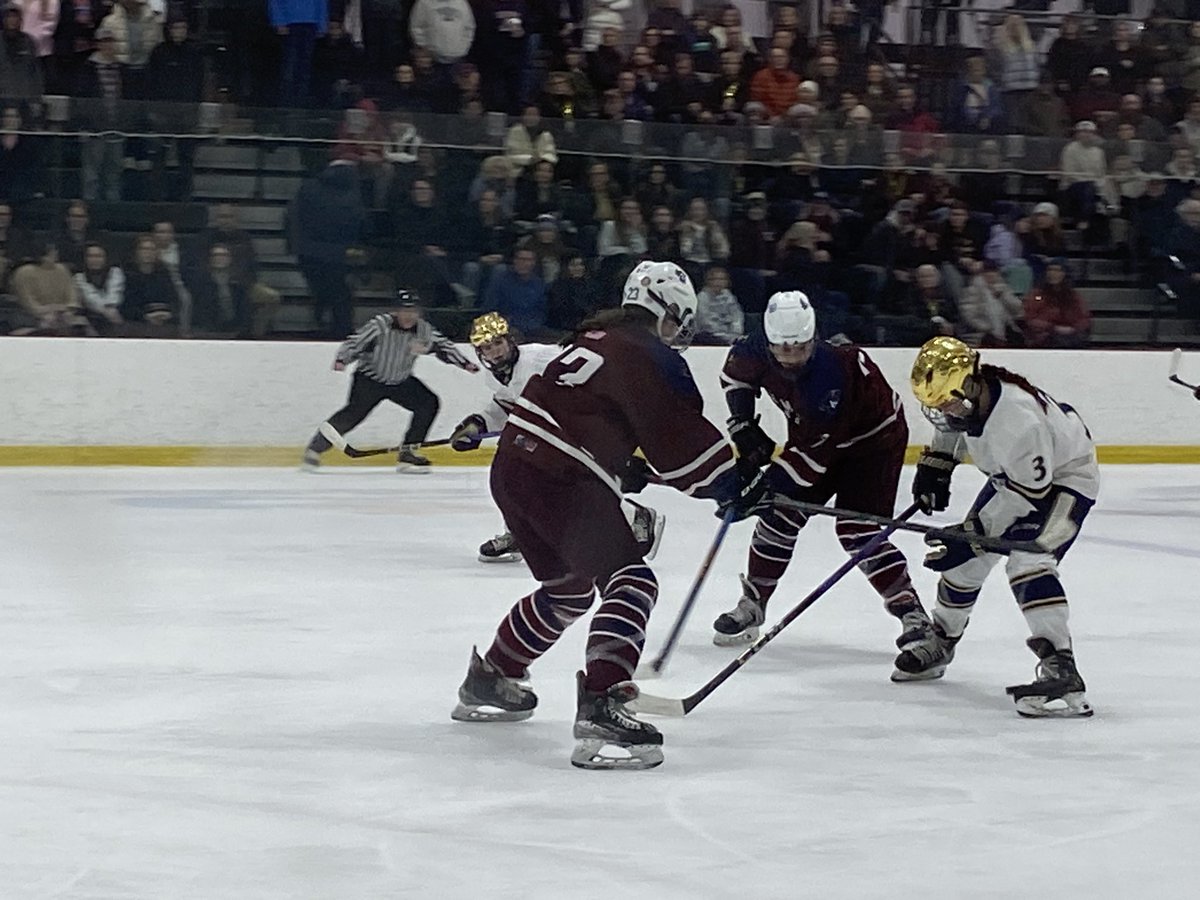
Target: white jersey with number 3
532 359
1029 444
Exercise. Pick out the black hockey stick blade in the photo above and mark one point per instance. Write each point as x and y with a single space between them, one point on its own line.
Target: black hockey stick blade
666 706
356 453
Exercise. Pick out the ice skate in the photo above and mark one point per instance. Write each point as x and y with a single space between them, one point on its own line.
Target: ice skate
926 659
500 549
488 695
608 736
410 461
311 461
648 525
1057 691
740 624
915 626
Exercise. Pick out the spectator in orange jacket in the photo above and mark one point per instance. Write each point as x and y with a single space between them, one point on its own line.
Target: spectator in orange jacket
1055 314
775 86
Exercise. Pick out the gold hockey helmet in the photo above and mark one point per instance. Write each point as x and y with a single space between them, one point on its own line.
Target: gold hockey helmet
495 345
487 328
941 370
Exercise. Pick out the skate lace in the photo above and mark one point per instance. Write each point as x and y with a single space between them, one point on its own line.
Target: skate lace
621 717
747 612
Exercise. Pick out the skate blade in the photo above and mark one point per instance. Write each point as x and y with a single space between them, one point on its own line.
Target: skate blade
597 754
743 637
502 558
469 713
656 536
410 469
899 676
1072 706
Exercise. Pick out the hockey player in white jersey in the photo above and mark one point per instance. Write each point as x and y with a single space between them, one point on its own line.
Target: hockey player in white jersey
509 366
1043 479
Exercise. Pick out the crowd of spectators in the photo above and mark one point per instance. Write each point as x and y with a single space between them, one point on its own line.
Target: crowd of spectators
78 280
806 159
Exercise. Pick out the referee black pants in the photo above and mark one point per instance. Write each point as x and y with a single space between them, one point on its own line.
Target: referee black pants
366 393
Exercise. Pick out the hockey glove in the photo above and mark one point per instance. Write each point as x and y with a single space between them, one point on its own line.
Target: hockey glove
752 499
947 552
753 444
468 433
634 475
931 486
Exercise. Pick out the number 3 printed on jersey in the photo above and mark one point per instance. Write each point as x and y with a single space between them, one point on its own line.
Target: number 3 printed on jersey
589 364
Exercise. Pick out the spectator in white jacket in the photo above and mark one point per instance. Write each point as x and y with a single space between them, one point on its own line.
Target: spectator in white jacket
528 142
1084 170
719 316
446 28
102 288
990 313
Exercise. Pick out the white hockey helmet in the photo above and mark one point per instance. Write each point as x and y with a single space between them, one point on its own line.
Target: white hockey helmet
790 318
665 290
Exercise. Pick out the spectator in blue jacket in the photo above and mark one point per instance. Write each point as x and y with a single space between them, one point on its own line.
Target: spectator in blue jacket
299 23
977 107
325 221
519 294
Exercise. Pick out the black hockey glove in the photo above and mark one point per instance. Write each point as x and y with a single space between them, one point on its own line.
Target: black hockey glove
931 486
634 475
468 433
753 444
752 499
947 553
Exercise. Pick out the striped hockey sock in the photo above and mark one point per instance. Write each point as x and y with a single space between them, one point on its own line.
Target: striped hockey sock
534 624
618 630
886 568
771 550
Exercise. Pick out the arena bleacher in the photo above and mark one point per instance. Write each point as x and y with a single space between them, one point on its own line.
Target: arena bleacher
826 137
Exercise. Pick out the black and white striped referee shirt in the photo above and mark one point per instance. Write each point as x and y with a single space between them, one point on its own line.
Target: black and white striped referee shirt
386 352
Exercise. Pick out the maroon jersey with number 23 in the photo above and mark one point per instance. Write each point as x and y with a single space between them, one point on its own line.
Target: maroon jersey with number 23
608 394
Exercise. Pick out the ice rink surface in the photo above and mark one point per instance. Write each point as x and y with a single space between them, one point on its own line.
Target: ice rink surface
220 683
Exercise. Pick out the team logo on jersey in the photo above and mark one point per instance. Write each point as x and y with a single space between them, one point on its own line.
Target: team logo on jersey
831 400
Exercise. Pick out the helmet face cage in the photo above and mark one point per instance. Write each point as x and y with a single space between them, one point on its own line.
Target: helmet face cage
946 421
486 332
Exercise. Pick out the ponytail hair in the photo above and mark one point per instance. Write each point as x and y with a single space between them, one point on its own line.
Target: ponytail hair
1007 377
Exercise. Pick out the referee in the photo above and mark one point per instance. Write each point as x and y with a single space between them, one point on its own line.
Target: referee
385 350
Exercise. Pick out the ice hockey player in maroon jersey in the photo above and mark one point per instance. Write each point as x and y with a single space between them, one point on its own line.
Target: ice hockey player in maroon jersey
846 440
564 459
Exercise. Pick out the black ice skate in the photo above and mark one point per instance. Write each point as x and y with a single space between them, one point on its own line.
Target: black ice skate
410 461
648 525
488 695
1058 689
915 627
740 624
608 736
500 549
311 461
926 659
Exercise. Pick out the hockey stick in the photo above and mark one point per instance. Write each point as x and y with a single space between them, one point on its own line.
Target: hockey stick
660 661
668 706
331 434
1173 373
983 541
